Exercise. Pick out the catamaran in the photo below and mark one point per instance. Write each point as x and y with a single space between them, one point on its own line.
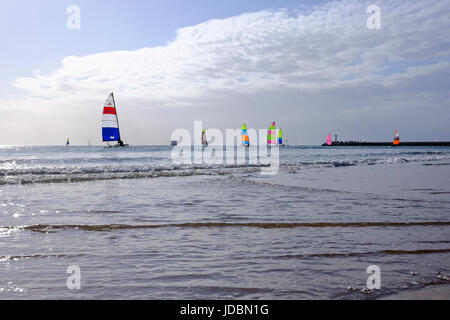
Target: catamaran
280 138
110 123
271 141
244 136
204 141
396 138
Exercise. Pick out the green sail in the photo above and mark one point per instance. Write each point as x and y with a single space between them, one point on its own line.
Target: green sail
271 134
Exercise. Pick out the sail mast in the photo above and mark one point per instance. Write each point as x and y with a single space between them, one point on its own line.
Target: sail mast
117 117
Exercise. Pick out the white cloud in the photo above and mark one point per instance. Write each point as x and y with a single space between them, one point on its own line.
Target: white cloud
326 50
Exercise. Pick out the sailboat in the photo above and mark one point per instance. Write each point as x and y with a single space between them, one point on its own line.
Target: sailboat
244 136
271 141
204 142
396 138
329 140
110 123
67 142
280 138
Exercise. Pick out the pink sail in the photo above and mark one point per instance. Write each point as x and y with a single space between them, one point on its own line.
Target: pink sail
329 140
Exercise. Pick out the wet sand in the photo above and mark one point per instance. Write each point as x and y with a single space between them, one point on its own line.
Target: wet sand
437 292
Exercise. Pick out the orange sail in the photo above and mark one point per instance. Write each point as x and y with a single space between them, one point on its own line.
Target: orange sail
396 138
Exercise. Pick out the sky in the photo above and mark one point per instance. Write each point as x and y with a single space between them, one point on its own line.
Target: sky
314 67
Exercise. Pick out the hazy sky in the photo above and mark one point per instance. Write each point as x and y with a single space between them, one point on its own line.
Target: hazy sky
312 66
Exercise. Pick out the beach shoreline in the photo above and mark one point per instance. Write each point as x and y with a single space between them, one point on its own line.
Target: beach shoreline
434 292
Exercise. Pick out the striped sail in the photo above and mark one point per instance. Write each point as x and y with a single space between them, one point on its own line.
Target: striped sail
204 142
110 123
67 142
280 137
244 136
329 140
271 134
396 138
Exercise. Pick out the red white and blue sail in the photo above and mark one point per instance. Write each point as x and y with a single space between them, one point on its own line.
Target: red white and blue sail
110 123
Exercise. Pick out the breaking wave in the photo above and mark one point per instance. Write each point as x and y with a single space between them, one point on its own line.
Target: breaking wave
81 174
32 167
263 225
36 256
361 254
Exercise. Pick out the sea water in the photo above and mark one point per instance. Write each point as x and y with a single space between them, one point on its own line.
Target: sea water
137 226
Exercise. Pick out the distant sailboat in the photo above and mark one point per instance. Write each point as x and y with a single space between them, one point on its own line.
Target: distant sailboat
271 140
110 123
396 138
280 138
329 140
89 143
67 142
244 136
204 141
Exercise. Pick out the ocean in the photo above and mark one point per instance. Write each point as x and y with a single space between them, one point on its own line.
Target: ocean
98 223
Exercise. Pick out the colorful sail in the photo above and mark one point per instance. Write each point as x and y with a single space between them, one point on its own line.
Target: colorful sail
110 123
396 138
67 142
280 137
329 140
244 136
271 134
204 141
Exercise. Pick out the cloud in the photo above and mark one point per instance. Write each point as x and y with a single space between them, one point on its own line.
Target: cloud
323 52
